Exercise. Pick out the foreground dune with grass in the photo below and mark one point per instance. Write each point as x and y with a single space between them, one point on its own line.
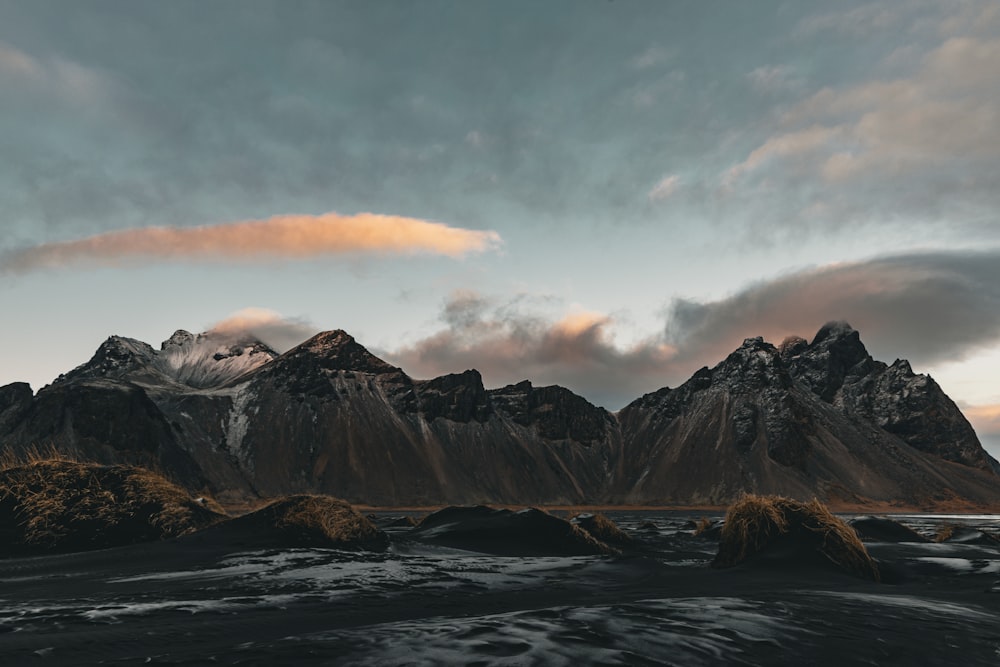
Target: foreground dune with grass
760 526
299 521
59 505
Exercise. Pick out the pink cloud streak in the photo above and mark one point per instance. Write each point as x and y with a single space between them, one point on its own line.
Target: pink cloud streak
279 237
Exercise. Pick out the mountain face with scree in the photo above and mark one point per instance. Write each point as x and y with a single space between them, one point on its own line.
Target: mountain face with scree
229 415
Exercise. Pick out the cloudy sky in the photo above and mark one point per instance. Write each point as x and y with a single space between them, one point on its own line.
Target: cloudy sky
604 195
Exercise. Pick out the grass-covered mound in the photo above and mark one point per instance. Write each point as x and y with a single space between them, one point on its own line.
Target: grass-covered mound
528 532
705 528
880 529
402 522
60 506
322 521
602 528
306 521
757 526
965 535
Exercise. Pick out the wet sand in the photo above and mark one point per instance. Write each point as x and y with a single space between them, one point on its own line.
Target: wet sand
195 602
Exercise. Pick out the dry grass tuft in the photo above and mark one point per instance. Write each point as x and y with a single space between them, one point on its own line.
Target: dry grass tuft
754 523
322 521
602 528
61 505
703 526
945 532
10 458
591 541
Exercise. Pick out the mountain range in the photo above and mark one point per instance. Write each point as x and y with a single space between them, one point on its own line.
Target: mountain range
228 415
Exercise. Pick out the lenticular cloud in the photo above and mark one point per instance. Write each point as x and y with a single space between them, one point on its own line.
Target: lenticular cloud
280 237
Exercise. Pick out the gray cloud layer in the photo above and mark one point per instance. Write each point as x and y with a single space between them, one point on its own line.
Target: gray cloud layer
143 113
915 142
507 343
927 308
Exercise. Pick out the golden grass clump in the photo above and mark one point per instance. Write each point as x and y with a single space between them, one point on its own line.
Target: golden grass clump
312 520
755 523
703 525
61 505
592 542
945 532
602 528
11 458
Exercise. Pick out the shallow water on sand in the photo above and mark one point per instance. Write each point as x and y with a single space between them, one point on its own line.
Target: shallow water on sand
423 604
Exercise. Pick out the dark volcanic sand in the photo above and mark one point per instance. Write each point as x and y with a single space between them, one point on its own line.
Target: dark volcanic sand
419 604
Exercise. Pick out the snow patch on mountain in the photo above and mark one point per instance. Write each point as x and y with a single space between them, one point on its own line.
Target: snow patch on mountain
210 359
237 425
201 361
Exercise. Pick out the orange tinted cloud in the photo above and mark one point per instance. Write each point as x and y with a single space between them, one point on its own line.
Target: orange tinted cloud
280 237
927 308
507 344
984 418
281 333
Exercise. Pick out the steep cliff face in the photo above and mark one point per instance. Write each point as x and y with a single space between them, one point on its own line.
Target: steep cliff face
805 419
743 425
837 367
820 418
327 416
15 401
101 421
356 426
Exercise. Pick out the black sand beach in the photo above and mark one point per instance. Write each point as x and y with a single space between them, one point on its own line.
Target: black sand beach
419 603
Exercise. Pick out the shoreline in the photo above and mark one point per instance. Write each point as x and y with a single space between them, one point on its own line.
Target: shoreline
837 508
876 507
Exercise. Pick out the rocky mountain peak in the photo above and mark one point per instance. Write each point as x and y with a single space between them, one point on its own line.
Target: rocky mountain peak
755 365
116 357
836 355
836 330
338 350
837 367
179 338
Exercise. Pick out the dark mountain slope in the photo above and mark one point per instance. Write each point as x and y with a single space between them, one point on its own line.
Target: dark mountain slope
330 417
837 367
760 424
820 418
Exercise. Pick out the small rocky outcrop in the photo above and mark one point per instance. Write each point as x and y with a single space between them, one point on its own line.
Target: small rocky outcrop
15 401
554 412
458 397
